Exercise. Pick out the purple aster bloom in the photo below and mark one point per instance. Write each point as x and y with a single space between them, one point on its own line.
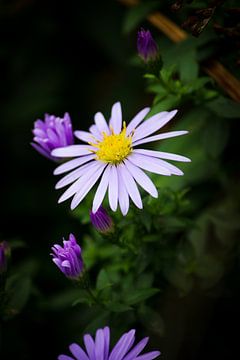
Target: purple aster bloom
110 155
68 257
99 349
52 133
101 220
4 252
147 47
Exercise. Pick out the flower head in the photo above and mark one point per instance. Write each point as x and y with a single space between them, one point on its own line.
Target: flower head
147 47
4 252
101 220
68 257
111 156
99 349
52 133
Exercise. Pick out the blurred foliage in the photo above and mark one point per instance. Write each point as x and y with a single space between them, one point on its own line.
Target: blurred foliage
172 269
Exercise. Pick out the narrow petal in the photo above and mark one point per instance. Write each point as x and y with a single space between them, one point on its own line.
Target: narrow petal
101 190
122 346
148 356
116 118
69 165
89 182
142 179
137 120
42 151
73 150
166 135
106 331
172 168
75 187
96 133
131 186
99 345
113 188
162 155
123 197
137 349
90 346
101 123
85 136
74 175
147 163
65 357
153 124
78 352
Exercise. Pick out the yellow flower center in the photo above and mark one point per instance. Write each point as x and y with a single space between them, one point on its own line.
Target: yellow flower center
114 148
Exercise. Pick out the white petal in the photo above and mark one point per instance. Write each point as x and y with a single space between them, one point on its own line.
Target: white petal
153 124
69 165
72 150
166 135
85 136
96 133
137 120
162 155
101 190
123 197
146 163
131 186
101 123
79 183
113 188
86 186
173 169
74 175
142 179
116 118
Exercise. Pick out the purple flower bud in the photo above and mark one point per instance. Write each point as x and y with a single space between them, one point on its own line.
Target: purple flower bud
101 220
147 47
4 253
52 133
68 258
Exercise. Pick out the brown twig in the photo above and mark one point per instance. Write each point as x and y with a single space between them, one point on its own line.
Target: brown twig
213 68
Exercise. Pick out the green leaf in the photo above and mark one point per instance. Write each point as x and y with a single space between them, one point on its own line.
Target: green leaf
188 67
119 307
215 137
103 280
138 13
224 107
140 295
18 289
169 103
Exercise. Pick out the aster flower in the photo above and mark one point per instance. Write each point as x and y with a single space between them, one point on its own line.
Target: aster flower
101 220
68 258
99 349
111 155
52 133
147 47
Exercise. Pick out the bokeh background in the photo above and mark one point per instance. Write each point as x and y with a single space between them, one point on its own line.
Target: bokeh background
74 56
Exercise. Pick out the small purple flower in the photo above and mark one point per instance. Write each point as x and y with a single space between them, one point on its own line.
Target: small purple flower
99 349
101 220
4 252
52 133
147 47
68 258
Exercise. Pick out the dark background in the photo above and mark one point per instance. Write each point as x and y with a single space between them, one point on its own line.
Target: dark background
58 57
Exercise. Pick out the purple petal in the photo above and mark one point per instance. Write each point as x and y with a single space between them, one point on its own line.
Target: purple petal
162 155
122 346
65 357
96 133
99 345
137 120
149 356
101 190
69 165
166 135
153 124
131 186
90 346
73 150
85 136
113 188
101 123
116 118
106 331
74 175
142 179
78 352
148 163
42 151
137 349
88 183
